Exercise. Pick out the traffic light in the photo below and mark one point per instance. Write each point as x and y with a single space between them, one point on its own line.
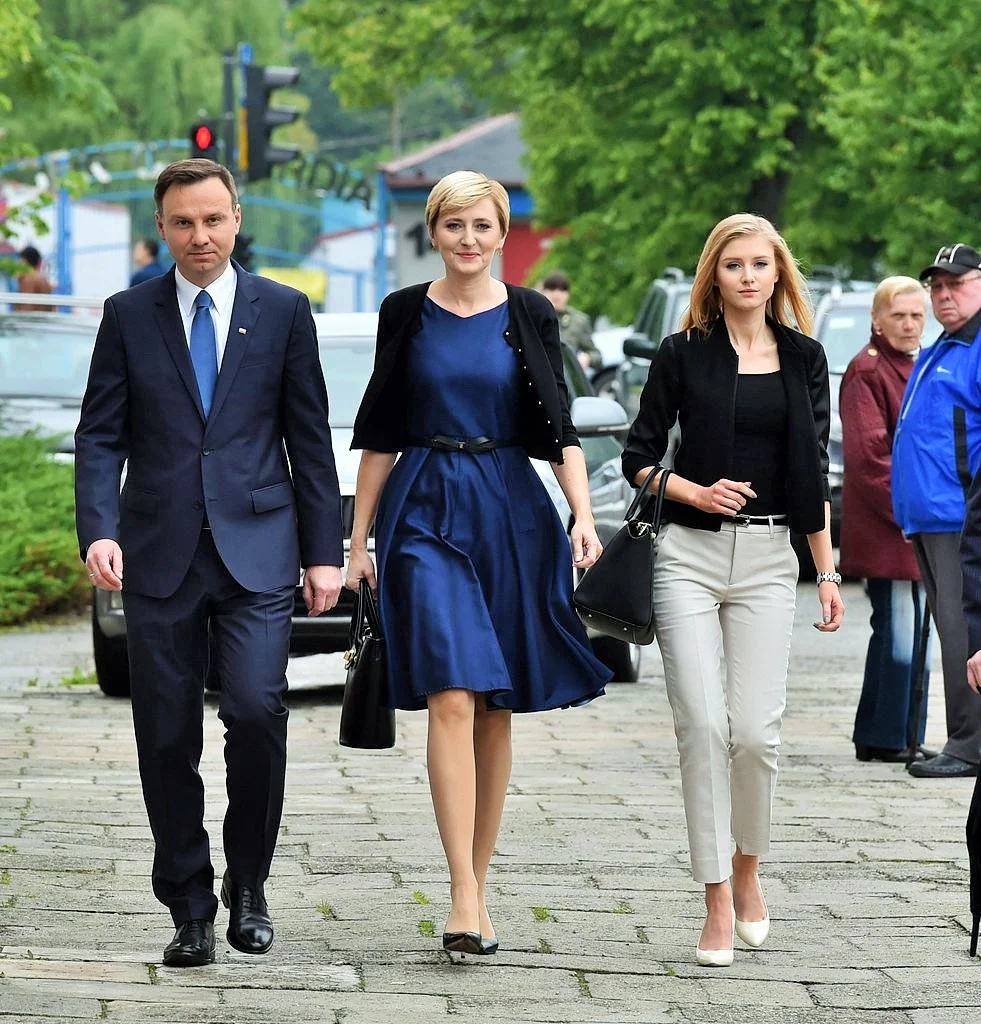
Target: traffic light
258 156
204 141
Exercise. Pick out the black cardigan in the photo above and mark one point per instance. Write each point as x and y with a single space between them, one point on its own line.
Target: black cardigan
693 378
544 424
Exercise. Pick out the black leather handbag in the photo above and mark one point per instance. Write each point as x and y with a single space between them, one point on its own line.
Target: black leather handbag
616 596
366 721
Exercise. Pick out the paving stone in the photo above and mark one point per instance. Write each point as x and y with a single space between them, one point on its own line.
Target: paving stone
591 886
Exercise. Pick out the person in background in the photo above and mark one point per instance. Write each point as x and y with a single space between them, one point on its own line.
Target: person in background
872 544
936 452
145 260
752 398
575 328
33 281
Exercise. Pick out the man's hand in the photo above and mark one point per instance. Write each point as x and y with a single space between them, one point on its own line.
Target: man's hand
104 562
321 588
974 671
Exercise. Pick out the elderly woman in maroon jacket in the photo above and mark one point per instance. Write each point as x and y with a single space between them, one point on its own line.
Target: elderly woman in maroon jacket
872 545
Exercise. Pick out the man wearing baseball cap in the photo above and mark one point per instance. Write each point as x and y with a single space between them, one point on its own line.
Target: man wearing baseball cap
936 452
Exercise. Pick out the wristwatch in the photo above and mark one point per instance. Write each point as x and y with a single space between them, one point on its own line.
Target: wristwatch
829 577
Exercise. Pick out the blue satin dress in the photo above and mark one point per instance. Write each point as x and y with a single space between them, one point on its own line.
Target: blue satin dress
474 565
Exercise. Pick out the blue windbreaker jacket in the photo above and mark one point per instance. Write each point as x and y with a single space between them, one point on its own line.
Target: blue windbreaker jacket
937 446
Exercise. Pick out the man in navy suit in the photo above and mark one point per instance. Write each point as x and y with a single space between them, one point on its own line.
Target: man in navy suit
207 383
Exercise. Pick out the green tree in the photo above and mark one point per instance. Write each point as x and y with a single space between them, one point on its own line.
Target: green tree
647 122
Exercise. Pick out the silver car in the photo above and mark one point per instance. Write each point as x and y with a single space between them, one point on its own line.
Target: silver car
347 343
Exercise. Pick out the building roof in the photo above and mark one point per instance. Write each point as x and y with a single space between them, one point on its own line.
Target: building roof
493 146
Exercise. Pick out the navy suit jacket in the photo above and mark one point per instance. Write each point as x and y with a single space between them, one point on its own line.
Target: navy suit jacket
971 564
261 464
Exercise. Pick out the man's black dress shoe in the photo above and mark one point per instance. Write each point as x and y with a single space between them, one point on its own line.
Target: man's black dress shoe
193 945
943 766
250 929
866 753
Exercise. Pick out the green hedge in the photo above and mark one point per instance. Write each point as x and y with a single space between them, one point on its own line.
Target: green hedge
40 570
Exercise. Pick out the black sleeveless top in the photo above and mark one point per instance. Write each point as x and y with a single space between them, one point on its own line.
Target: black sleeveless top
759 451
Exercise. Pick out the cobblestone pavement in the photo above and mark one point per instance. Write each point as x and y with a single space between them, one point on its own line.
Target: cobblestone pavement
592 896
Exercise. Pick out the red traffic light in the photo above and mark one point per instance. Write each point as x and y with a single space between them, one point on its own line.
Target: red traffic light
204 137
204 141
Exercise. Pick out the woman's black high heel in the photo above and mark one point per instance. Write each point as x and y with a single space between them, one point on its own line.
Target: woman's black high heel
463 942
488 946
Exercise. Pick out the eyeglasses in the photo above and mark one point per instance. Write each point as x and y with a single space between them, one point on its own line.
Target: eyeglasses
955 284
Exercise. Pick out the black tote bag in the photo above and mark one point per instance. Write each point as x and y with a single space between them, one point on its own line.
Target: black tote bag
366 722
616 596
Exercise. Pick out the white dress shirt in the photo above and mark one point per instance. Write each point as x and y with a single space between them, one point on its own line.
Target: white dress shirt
222 292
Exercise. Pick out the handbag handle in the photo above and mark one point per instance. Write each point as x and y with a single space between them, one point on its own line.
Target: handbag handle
643 498
367 609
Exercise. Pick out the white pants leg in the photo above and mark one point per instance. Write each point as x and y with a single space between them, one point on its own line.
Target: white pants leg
725 612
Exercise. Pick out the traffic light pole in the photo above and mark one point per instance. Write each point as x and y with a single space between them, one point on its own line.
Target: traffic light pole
229 119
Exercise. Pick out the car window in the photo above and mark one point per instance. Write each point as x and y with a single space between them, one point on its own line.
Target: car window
845 329
651 314
575 378
679 303
42 358
347 364
598 450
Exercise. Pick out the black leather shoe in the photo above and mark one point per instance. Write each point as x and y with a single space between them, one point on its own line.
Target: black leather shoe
887 754
250 929
488 946
943 766
462 942
193 945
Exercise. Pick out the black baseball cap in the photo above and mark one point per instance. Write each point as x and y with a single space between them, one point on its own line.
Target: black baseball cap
953 259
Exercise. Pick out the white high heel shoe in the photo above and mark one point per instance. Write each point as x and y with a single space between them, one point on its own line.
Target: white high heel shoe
754 933
716 957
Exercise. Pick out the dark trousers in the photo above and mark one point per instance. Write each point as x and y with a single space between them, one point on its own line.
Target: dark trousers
882 718
938 555
168 642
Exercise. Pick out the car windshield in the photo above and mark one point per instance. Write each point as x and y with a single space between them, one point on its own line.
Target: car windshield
45 356
845 329
679 304
347 364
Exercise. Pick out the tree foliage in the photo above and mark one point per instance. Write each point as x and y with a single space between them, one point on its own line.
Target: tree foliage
850 123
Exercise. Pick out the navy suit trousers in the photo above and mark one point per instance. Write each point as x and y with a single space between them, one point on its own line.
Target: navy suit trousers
168 640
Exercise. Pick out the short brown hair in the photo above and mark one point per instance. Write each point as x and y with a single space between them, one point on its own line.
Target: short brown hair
187 172
556 281
457 191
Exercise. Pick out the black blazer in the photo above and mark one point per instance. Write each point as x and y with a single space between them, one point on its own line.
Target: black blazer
545 426
268 513
693 378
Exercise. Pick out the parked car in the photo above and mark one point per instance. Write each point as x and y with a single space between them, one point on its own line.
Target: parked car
44 362
659 315
347 342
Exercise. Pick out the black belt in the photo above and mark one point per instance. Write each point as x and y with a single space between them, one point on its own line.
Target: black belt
471 445
741 520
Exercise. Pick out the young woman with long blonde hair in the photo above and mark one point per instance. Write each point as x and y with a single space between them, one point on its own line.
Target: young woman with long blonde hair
750 392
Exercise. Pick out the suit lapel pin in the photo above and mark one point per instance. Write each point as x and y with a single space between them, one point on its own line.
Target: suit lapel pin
241 330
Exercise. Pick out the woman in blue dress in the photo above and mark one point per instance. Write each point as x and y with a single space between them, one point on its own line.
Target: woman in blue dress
474 576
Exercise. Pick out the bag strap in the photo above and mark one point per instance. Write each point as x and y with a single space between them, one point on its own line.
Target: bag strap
367 609
643 498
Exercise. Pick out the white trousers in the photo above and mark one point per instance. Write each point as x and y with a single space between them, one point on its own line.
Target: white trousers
724 605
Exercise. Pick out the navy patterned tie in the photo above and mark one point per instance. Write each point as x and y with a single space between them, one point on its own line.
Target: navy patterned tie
204 350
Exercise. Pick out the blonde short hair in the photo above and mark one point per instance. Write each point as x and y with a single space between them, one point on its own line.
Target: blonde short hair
461 189
788 305
890 287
